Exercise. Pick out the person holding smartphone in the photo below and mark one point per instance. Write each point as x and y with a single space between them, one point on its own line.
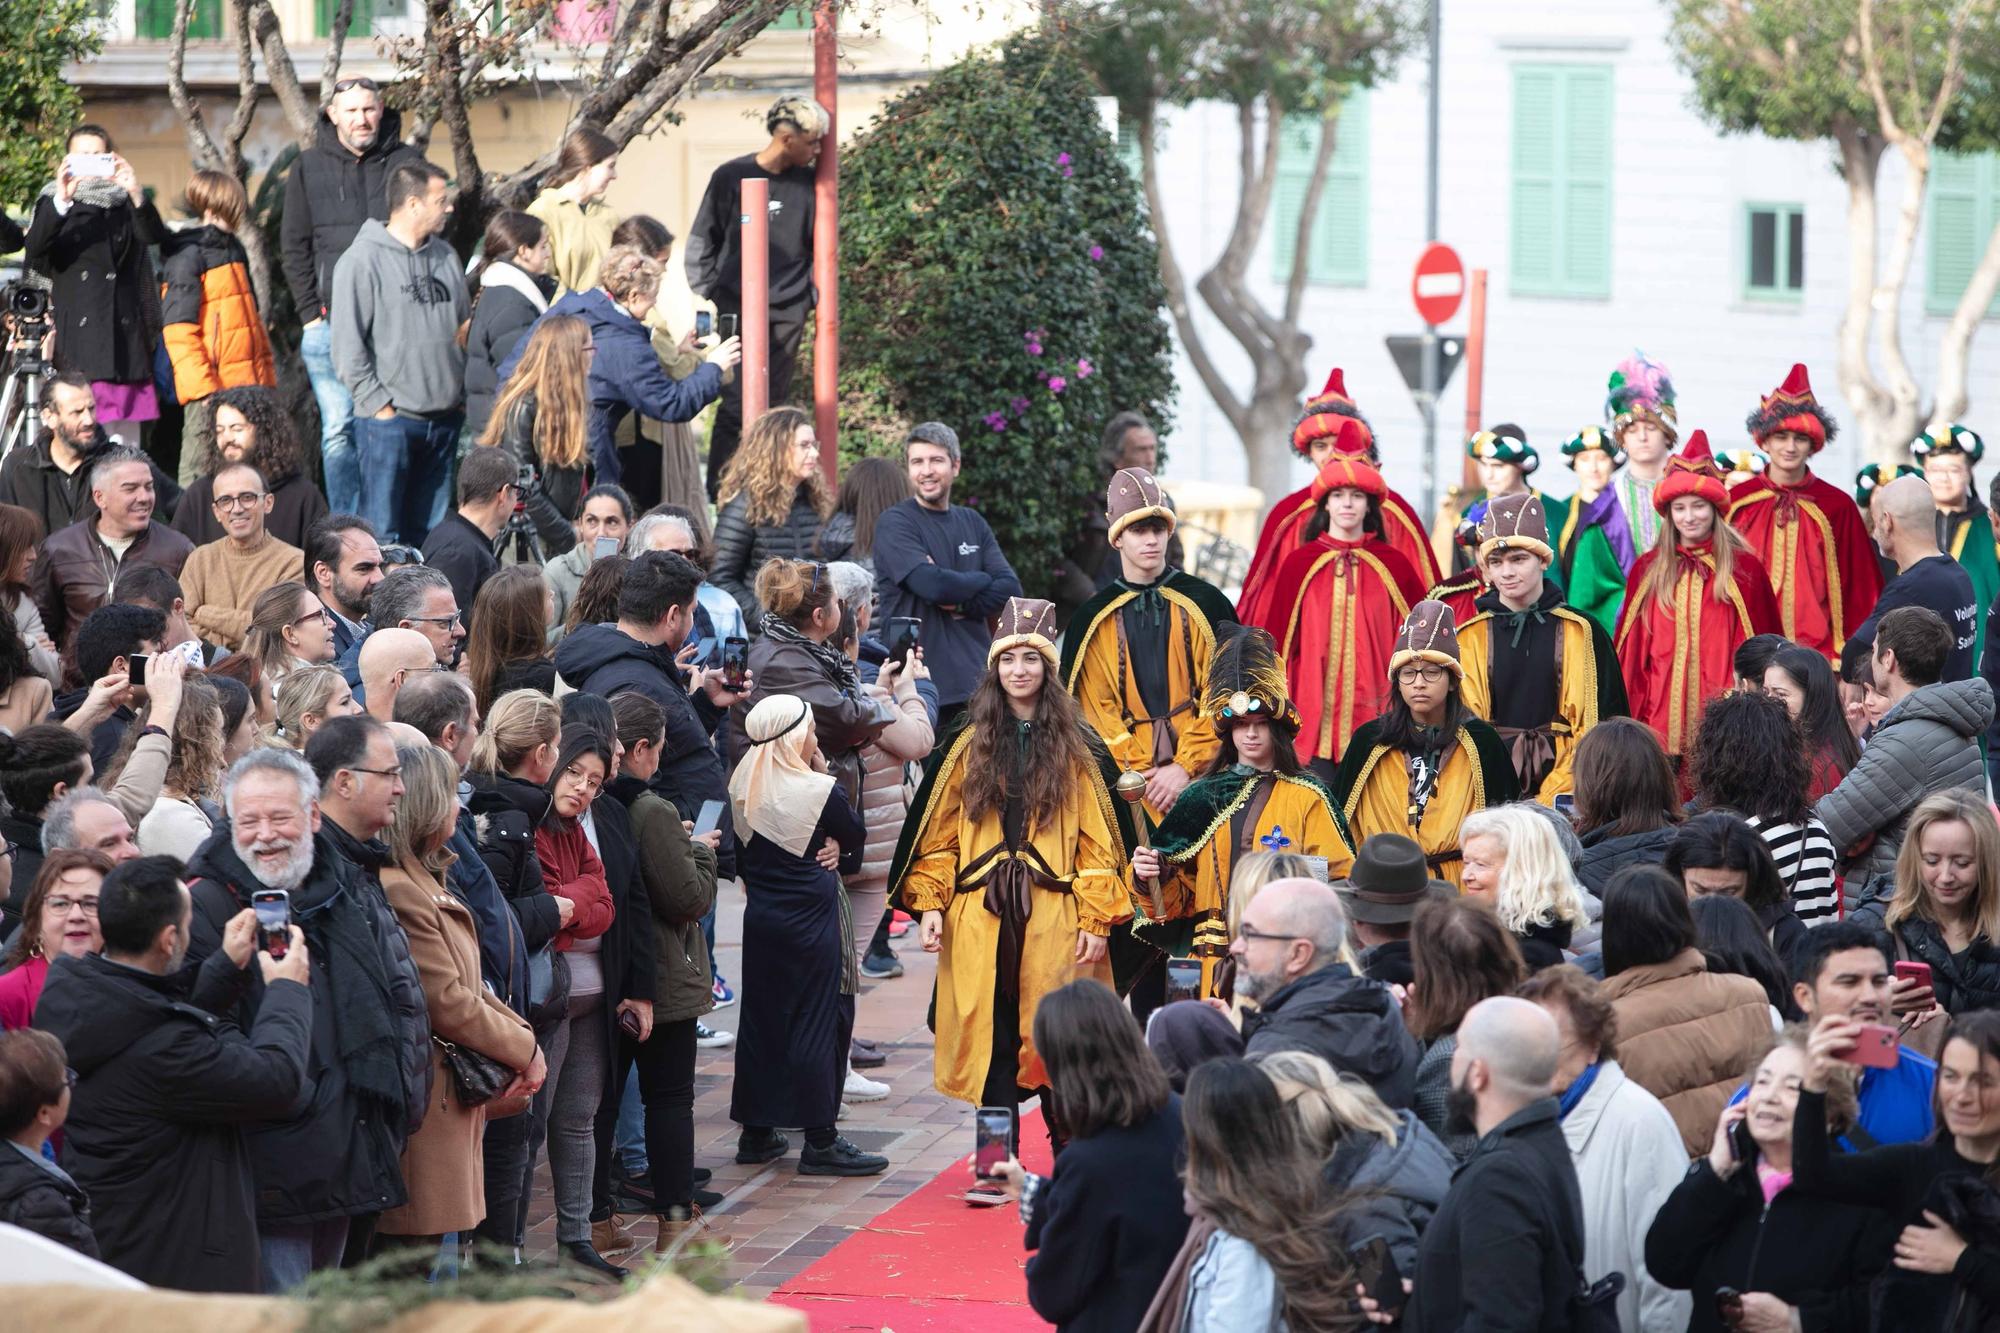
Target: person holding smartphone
1754 1251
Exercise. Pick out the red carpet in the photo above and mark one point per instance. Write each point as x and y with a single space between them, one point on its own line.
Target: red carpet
929 1263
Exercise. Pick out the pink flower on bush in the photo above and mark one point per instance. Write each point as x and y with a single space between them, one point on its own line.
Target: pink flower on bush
1058 384
1096 253
996 421
1032 339
1018 405
1084 370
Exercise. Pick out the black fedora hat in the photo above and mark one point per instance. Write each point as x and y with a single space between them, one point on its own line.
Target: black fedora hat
1390 878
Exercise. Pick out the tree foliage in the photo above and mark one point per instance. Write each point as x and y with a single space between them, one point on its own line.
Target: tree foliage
997 275
36 105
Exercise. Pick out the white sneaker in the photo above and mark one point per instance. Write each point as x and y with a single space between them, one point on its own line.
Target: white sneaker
860 1088
704 1035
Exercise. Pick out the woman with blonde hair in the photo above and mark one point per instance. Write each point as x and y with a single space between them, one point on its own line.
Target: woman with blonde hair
1942 908
442 1162
1384 1169
306 698
1515 865
542 416
290 628
774 502
177 825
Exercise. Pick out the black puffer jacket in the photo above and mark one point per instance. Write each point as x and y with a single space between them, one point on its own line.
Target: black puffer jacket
328 195
339 1153
1350 1022
501 314
741 550
36 1199
1604 857
1962 981
505 813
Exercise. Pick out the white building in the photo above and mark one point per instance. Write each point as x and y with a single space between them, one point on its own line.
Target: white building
1610 216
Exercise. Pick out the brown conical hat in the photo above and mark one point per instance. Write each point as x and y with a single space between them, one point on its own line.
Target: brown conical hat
1429 634
1134 495
1517 521
1025 621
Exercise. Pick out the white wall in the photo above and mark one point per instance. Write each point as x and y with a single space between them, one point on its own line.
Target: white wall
1677 223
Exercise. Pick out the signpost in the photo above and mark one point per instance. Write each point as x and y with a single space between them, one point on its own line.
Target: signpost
1436 289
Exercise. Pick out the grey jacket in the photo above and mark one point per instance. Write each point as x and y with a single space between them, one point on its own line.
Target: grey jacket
1929 742
395 324
1391 1192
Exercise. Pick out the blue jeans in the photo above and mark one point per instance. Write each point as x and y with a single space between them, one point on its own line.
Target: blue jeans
629 1139
294 1251
336 421
406 465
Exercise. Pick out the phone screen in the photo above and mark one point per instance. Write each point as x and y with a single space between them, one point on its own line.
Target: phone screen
735 660
1375 1268
710 818
905 632
138 668
274 914
604 546
704 324
1565 805
1183 979
725 325
992 1130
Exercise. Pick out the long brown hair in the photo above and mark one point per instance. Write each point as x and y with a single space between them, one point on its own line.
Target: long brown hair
1100 1071
1058 756
1249 1172
596 600
761 470
1624 781
276 610
1725 544
1461 954
510 623
20 530
555 368
582 148
870 487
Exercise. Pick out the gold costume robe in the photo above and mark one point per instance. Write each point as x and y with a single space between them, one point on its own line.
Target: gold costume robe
1371 791
1592 687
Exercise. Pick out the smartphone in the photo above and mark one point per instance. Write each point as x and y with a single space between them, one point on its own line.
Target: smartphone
710 818
1375 1268
1565 805
903 634
992 1140
1729 1307
137 669
628 1023
1742 1148
704 324
726 326
604 546
274 918
1875 1048
83 166
735 661
1183 979
1909 970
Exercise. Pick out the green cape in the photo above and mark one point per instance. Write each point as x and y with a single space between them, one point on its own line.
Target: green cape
1488 751
1211 603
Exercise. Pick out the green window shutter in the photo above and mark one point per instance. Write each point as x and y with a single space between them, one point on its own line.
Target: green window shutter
1962 207
154 19
360 25
1337 250
1562 156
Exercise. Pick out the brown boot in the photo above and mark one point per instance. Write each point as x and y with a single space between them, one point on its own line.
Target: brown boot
609 1239
679 1233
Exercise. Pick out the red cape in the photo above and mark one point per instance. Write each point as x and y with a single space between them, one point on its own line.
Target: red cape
1813 540
1284 531
1671 669
1335 608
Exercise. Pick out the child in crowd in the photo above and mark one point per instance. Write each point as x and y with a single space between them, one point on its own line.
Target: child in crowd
36 1194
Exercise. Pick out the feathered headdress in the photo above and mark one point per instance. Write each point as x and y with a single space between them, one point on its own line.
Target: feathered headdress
1641 389
1246 679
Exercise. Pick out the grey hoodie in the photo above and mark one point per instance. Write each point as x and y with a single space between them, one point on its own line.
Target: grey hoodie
1928 742
395 326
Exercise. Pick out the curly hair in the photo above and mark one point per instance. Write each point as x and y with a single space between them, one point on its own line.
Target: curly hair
628 271
1059 751
761 470
196 761
1750 757
596 600
276 455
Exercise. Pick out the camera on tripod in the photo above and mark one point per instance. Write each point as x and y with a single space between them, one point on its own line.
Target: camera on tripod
25 301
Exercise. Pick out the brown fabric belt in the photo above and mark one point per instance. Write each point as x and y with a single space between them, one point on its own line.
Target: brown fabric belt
1009 894
1533 750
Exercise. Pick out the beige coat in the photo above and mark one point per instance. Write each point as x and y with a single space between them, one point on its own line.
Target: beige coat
442 1164
1688 1036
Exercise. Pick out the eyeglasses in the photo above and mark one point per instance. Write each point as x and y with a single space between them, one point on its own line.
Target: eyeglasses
1246 931
13 848
61 905
369 84
324 616
246 500
447 621
395 772
1429 674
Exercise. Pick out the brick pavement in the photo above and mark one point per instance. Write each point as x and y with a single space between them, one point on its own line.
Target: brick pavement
779 1220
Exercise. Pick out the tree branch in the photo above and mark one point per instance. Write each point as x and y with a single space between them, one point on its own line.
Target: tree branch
446 56
1955 344
238 128
301 111
201 145
1175 281
336 50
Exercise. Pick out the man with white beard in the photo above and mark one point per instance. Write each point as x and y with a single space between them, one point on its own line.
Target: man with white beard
335 1163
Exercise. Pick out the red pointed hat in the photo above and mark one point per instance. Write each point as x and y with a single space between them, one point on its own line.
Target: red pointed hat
1349 466
1692 471
1326 414
1791 406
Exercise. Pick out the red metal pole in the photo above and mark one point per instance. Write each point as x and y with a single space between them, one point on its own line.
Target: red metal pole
826 240
1475 374
756 367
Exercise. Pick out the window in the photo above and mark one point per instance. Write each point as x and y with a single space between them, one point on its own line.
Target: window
325 11
1129 151
1562 180
154 19
1337 251
1774 252
1964 208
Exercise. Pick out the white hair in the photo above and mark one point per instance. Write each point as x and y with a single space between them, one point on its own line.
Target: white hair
853 585
1537 886
639 540
271 760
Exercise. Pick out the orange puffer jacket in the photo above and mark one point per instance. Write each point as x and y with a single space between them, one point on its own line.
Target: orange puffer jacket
214 332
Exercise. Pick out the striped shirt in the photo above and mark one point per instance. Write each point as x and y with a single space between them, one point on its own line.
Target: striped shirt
1805 857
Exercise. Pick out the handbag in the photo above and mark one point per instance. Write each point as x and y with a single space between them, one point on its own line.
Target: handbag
548 986
476 1078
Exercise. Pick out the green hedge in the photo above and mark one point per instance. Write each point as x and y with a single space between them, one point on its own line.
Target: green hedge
998 274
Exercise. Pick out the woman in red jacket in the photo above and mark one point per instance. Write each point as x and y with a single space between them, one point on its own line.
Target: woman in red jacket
577 1048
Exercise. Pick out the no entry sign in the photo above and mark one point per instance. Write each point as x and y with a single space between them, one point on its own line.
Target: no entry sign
1438 284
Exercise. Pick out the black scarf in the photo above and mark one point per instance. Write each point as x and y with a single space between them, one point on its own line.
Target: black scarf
831 660
1147 604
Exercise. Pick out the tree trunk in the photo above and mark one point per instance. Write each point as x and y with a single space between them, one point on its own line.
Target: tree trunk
1889 440
1874 410
1955 343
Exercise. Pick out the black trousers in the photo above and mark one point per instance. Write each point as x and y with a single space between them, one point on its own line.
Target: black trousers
1003 1073
505 1149
787 328
665 1062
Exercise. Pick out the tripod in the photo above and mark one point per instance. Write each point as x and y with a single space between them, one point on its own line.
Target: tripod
527 543
21 393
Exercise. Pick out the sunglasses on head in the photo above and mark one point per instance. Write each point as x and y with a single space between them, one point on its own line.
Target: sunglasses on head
357 82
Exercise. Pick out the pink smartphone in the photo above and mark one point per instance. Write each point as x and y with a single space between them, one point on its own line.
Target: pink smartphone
1909 970
1874 1048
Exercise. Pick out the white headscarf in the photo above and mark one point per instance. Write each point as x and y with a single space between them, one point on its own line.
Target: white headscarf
775 792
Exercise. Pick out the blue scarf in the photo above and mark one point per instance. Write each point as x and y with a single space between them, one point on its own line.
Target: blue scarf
1575 1092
